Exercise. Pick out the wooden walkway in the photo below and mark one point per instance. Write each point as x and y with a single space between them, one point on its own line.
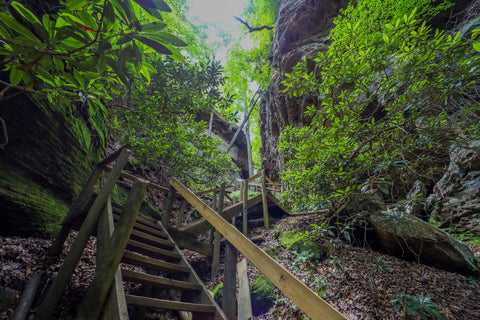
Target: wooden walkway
138 249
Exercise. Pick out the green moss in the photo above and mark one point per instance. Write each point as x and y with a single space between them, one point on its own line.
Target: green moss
29 206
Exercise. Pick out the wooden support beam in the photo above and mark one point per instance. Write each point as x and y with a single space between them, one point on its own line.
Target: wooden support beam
266 222
254 177
168 207
115 307
217 236
66 270
244 300
229 303
307 300
201 225
244 191
181 213
77 208
188 241
273 184
97 292
28 295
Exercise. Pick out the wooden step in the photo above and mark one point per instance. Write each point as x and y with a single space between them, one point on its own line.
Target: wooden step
159 281
139 225
143 261
152 240
149 250
150 222
169 305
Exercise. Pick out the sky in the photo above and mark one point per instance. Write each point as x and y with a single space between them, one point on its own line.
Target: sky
218 17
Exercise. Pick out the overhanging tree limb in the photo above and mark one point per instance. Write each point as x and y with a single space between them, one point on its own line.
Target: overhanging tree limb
252 29
254 101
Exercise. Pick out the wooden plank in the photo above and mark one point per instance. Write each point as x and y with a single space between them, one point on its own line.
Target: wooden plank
28 295
147 249
168 207
307 300
244 300
144 261
159 282
115 306
217 236
142 237
266 221
131 177
229 304
75 210
169 305
273 184
201 225
181 213
70 262
187 241
111 157
254 177
244 191
91 306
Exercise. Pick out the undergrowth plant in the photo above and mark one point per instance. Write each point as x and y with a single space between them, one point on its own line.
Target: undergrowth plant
393 95
422 306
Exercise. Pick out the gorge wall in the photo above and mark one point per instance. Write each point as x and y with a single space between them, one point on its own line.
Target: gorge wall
302 30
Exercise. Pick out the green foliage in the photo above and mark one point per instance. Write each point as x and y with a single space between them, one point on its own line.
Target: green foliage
262 293
160 121
84 50
393 95
218 293
417 305
466 236
302 245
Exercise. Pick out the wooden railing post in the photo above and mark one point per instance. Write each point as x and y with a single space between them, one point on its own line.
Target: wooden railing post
168 207
181 213
216 237
266 221
81 201
66 270
96 295
244 191
115 306
229 303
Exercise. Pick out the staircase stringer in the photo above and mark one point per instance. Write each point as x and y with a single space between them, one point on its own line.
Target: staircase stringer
204 295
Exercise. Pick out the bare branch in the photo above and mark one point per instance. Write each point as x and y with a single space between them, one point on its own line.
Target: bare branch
252 29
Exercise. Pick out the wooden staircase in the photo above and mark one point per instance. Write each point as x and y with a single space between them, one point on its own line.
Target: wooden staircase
139 244
137 249
151 247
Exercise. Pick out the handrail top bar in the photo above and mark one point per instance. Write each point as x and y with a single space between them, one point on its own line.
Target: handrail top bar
112 157
132 178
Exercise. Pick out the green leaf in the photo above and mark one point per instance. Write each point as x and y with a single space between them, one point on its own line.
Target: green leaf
159 47
24 12
15 76
167 38
476 46
383 189
13 24
74 4
153 28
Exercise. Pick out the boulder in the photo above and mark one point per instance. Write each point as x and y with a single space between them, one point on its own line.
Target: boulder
456 196
410 237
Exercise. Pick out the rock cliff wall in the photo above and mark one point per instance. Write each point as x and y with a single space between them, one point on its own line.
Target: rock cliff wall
44 165
302 30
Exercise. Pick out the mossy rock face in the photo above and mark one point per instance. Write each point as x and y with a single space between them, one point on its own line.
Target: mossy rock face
262 295
48 159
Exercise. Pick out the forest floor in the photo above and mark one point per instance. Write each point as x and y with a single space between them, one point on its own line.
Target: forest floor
359 282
